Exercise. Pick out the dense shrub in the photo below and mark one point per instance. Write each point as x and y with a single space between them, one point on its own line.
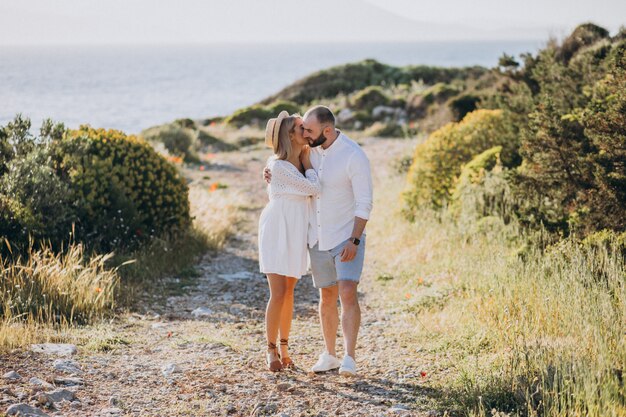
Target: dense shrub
348 78
178 141
280 105
584 35
123 190
209 143
370 97
463 104
437 162
35 203
483 189
573 175
252 115
420 104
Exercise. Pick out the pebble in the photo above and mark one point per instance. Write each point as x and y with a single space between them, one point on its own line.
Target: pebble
68 382
110 412
12 376
169 369
59 395
285 386
25 410
399 409
237 276
40 383
67 365
115 401
202 312
60 349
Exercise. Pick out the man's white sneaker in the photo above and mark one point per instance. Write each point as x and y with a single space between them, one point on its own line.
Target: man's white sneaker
348 366
326 362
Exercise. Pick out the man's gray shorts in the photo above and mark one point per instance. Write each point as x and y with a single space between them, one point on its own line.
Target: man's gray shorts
327 266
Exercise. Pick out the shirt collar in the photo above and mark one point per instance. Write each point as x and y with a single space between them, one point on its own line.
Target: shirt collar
338 143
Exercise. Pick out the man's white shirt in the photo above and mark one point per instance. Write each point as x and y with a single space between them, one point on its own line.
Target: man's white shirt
344 172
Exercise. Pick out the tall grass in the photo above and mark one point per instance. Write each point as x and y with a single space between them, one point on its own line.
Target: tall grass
48 289
538 332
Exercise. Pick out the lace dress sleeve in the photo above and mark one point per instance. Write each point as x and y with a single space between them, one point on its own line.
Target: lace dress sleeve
289 180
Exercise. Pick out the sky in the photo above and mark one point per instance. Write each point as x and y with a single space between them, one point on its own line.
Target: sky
92 22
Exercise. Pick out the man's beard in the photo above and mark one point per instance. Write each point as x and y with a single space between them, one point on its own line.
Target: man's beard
317 142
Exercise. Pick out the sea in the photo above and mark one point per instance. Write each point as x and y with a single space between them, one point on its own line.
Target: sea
134 87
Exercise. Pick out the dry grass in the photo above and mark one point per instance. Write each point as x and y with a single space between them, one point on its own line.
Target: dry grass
215 213
541 334
46 291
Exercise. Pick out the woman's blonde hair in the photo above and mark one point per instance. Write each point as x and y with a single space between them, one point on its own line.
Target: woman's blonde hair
282 147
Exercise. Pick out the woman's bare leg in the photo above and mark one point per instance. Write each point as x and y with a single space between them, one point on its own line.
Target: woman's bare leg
287 315
273 313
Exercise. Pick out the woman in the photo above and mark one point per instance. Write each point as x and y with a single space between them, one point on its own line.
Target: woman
283 229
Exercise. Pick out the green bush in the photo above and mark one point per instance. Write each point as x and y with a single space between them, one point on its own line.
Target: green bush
36 203
438 161
185 123
252 115
572 178
420 104
209 143
370 97
178 142
349 78
124 192
584 35
483 189
280 105
463 104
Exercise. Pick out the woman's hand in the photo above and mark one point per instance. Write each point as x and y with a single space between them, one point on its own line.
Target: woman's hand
305 158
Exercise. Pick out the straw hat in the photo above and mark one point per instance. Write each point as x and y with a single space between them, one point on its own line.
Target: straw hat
272 128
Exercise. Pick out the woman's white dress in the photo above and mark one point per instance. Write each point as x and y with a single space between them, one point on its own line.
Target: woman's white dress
284 222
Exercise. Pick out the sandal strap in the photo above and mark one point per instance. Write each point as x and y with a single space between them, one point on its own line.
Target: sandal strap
271 345
284 342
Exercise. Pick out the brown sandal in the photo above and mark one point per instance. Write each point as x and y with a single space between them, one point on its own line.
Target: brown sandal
273 365
286 362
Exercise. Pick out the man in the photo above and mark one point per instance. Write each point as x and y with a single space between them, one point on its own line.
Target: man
336 233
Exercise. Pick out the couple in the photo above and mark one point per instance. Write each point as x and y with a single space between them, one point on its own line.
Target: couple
320 192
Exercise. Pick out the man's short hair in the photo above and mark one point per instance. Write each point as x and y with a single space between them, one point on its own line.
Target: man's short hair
322 113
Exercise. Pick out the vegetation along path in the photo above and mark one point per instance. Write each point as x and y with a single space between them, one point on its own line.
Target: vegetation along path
197 348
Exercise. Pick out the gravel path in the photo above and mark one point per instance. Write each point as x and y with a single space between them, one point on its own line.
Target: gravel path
197 347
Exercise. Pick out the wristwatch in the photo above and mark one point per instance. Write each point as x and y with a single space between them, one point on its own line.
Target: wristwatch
355 240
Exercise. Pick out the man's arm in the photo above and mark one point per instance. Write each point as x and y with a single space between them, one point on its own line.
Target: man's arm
349 251
361 178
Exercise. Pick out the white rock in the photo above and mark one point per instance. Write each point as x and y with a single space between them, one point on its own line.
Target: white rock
68 366
60 349
25 410
69 382
40 383
59 395
237 276
169 369
399 409
202 312
12 375
158 325
110 412
237 309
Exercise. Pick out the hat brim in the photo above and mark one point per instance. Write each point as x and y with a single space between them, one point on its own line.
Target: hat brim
272 129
